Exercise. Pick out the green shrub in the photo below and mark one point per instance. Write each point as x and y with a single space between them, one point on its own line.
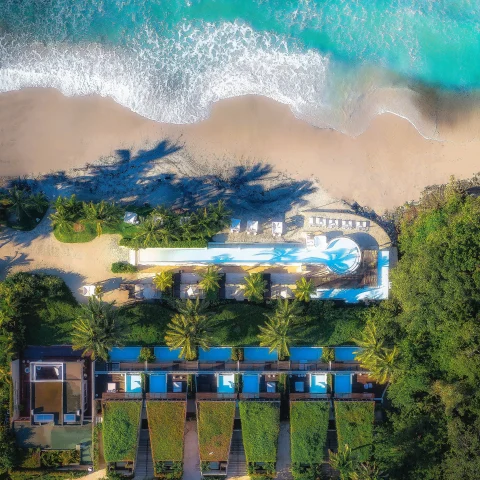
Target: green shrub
168 470
260 428
328 354
354 422
120 430
215 429
237 354
136 244
59 458
97 432
123 267
308 431
166 422
44 474
146 355
30 458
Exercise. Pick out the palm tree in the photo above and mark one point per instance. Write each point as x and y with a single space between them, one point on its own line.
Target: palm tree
104 214
343 462
287 311
254 287
5 375
163 280
97 329
220 215
20 202
367 471
304 290
277 333
192 309
210 280
38 202
189 331
62 219
148 232
369 342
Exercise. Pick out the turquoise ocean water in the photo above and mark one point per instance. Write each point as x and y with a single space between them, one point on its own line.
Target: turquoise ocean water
169 60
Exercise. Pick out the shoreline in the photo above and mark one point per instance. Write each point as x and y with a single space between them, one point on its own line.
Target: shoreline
42 131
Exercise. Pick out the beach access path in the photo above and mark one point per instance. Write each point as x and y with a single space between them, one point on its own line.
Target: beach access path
77 264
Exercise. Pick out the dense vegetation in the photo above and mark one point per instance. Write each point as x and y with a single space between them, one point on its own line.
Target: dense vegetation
215 428
120 430
308 434
433 418
75 221
260 430
354 423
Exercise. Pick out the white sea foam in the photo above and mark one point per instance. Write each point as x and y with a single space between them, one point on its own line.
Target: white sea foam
176 80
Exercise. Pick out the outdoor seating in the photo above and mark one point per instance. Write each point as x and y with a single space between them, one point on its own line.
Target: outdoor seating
277 229
252 227
332 223
309 241
311 221
345 225
235 225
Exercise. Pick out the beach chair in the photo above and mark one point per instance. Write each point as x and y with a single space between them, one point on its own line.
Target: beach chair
235 225
323 222
350 224
318 221
88 290
345 225
332 223
311 221
277 229
252 227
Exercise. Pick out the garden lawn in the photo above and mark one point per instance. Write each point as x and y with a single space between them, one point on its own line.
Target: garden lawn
215 429
166 422
260 430
308 431
354 421
120 430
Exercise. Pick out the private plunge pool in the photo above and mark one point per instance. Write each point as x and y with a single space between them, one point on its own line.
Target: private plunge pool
341 255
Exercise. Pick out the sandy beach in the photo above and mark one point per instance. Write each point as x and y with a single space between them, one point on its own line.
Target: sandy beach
41 131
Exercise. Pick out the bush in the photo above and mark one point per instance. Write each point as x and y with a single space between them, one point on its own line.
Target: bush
97 431
120 430
354 421
136 244
237 354
328 354
308 431
30 458
123 267
215 429
146 355
169 470
59 458
260 428
166 422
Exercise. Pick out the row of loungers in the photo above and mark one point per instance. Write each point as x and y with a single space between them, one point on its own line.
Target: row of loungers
362 225
252 227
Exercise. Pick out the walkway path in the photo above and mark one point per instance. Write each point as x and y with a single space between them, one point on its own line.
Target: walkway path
283 455
98 475
191 456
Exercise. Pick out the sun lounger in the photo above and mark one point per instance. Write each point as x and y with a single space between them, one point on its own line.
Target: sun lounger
252 227
318 221
309 241
332 223
323 222
235 225
345 225
277 229
311 221
350 224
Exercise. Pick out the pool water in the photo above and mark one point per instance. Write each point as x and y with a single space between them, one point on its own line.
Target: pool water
259 354
164 354
158 383
343 383
124 354
345 354
215 354
306 354
133 384
318 383
251 384
226 383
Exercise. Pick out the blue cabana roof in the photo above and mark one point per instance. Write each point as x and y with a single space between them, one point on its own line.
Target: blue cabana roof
164 354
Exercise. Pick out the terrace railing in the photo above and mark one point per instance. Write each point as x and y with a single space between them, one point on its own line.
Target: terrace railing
354 396
122 396
260 396
215 396
309 396
181 396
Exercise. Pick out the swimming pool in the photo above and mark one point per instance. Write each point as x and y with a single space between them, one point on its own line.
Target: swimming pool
133 384
164 354
342 255
305 354
318 383
251 383
343 383
124 354
259 354
158 383
345 354
226 383
215 354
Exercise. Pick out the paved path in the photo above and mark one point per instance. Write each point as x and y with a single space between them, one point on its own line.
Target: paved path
95 475
283 454
191 456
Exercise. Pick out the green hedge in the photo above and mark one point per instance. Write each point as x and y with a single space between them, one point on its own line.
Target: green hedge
166 422
215 429
97 432
354 421
260 429
133 243
120 430
123 267
308 431
59 458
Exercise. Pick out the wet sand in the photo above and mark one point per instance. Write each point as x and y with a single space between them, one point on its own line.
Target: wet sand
42 131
